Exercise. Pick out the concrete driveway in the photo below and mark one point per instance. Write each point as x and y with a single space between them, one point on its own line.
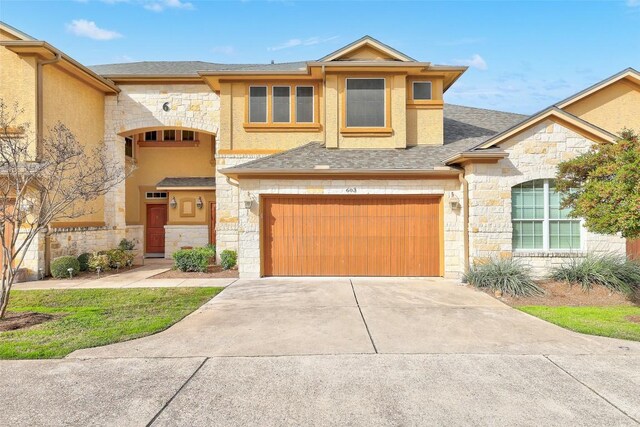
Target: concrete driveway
334 352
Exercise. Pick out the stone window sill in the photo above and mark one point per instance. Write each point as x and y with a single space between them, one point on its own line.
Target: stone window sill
549 254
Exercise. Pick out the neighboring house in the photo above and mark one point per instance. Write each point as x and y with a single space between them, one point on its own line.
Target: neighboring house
351 164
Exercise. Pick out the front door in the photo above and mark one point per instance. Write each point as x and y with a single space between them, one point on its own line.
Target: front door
156 220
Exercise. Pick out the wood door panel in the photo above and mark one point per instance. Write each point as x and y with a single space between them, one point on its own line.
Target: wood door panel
156 220
352 236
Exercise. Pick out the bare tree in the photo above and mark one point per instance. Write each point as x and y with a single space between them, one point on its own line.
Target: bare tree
44 179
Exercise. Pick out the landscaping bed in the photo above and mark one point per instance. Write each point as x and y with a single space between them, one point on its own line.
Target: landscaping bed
53 323
85 275
213 272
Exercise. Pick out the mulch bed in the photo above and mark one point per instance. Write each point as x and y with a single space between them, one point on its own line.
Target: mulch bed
214 272
22 320
563 294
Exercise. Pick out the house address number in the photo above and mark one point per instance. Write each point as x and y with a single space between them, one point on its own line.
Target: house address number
351 190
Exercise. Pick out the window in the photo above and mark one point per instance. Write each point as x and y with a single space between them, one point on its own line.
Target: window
151 136
281 104
304 104
169 135
421 91
188 135
365 103
156 195
538 221
128 146
258 104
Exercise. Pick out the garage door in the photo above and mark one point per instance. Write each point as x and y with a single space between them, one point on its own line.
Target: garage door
352 236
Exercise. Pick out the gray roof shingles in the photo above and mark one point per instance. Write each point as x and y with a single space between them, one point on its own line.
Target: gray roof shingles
187 182
464 128
187 68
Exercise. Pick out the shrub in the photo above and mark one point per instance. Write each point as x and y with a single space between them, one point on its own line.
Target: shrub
212 248
196 259
119 258
60 266
83 259
614 272
228 259
99 260
506 274
126 245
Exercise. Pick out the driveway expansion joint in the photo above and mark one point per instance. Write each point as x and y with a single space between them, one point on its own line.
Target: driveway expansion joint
591 389
168 402
362 316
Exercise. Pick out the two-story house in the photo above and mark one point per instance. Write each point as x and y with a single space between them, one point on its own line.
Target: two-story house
349 165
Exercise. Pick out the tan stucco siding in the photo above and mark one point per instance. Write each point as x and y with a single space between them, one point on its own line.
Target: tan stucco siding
182 214
80 107
425 126
155 164
234 135
5 36
18 85
612 108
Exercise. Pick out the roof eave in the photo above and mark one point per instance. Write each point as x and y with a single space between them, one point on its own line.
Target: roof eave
476 156
443 170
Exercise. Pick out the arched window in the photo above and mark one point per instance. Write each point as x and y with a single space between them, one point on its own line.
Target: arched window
538 221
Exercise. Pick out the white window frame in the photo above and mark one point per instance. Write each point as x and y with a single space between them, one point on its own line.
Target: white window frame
346 102
266 115
313 103
273 104
413 90
545 224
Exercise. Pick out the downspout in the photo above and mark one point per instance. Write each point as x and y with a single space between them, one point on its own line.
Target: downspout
465 220
39 138
39 99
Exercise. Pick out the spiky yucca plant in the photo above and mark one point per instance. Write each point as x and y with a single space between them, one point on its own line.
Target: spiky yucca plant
507 275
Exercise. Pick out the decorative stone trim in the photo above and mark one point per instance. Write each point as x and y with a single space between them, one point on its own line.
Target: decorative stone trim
80 229
549 254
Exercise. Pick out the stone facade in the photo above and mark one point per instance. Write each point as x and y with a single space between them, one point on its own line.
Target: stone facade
533 154
252 189
177 236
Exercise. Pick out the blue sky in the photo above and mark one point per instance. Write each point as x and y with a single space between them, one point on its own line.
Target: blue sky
523 56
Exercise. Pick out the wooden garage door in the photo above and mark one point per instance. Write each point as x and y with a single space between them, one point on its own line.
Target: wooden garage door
352 236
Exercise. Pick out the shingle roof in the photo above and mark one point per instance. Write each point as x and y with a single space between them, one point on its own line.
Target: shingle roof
187 68
187 182
464 127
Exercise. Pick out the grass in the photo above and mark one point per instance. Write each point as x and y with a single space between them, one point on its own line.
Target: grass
95 317
603 321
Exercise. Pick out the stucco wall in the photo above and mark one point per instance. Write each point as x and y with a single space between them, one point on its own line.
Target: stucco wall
249 220
613 108
533 154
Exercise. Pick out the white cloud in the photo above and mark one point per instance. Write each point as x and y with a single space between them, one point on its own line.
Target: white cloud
225 50
160 5
85 28
300 42
476 61
633 3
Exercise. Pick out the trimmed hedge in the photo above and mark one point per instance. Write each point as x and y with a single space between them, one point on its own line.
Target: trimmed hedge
83 259
228 259
60 266
196 259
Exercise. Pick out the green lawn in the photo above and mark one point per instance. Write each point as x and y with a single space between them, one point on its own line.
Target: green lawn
95 317
604 321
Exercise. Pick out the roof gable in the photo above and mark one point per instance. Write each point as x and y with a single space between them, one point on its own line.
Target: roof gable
367 48
13 33
629 74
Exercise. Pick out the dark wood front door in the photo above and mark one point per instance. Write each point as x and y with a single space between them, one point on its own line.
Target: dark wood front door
212 223
156 220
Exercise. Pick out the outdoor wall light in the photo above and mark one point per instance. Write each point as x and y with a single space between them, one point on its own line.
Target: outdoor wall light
173 203
199 203
248 204
454 201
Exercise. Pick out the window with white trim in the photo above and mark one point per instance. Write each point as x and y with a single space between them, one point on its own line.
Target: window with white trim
539 223
365 103
156 195
422 91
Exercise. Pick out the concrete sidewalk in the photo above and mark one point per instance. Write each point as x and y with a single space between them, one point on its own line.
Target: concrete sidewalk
141 277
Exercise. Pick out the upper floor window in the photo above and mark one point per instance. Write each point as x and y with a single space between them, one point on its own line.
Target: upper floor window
365 102
151 135
128 146
539 223
422 91
258 104
167 138
188 135
277 105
